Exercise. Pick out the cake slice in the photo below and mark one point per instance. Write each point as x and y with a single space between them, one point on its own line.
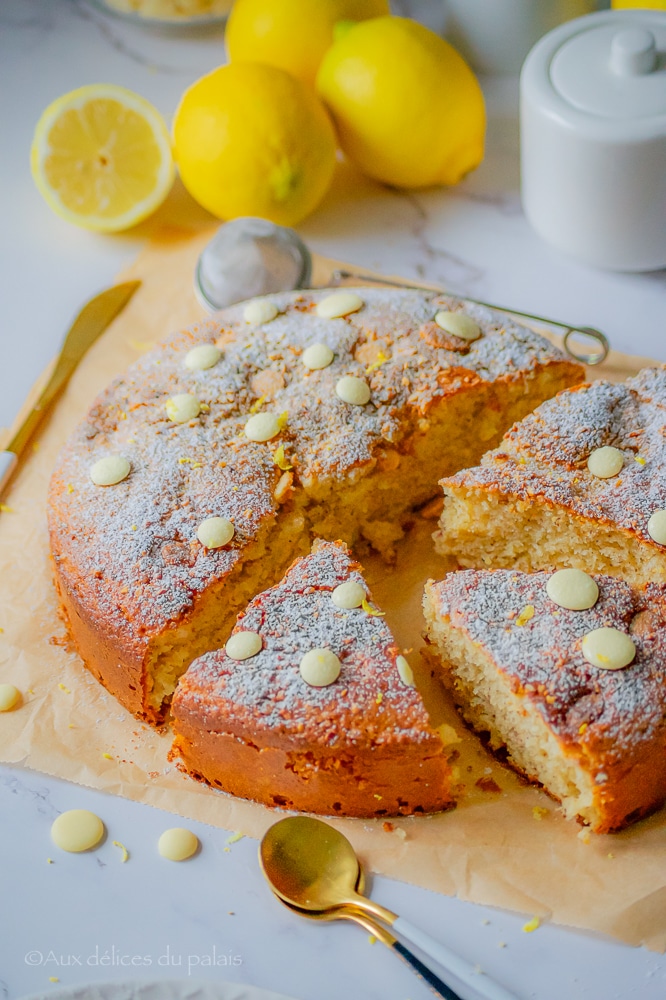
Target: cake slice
358 745
594 737
535 502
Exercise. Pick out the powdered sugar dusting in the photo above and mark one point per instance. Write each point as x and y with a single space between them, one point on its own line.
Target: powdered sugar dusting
616 709
130 550
545 455
367 705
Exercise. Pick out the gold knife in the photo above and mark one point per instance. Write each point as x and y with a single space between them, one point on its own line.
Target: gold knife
84 331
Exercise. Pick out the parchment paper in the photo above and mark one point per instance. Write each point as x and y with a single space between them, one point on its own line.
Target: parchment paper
491 849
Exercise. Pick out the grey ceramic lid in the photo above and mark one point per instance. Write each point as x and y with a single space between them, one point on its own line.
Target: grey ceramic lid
614 70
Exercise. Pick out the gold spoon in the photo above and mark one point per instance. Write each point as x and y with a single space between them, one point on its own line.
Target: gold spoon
378 931
313 867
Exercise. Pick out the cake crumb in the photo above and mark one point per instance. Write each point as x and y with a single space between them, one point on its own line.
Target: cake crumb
235 837
502 944
368 608
584 835
49 861
532 925
538 812
372 939
107 756
611 856
4 509
487 785
448 735
388 827
53 979
64 688
485 922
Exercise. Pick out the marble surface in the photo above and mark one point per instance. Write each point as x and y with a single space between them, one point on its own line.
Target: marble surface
90 917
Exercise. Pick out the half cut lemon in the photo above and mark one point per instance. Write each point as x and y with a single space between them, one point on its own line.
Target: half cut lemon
101 157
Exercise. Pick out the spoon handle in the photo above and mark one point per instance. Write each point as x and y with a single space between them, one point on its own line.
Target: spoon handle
434 982
453 963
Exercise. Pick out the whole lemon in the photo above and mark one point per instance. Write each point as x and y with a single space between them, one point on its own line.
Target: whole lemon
291 34
407 107
251 140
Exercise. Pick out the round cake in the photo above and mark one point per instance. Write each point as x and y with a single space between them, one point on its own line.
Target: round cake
199 475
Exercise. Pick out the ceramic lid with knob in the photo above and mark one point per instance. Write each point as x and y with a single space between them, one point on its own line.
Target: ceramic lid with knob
593 138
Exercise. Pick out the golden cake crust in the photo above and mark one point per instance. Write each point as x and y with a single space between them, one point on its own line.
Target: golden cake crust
612 723
133 578
361 746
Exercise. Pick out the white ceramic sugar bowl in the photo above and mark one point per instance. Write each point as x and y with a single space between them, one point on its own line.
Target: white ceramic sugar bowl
593 139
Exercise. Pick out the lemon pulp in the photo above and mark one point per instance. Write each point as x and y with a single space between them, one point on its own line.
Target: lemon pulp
101 157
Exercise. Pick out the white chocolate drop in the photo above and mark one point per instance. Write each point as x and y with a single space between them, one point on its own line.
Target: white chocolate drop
405 671
320 667
459 324
351 389
183 407
572 589
215 532
339 304
243 645
608 648
178 844
656 527
77 830
606 462
348 595
317 356
10 697
260 311
110 470
262 427
202 357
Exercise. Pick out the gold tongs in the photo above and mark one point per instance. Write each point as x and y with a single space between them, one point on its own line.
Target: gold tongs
590 332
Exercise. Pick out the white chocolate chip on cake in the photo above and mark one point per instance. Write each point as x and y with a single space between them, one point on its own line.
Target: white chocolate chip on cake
572 589
262 427
110 470
10 696
459 324
260 311
183 407
215 532
606 462
317 356
339 304
405 671
320 667
608 648
243 645
202 357
656 526
77 830
178 844
351 389
348 595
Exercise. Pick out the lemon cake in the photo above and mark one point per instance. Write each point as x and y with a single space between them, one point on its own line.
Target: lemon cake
199 475
581 482
567 672
311 706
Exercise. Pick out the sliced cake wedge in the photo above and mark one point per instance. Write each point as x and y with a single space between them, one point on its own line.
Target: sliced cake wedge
310 705
581 482
577 698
